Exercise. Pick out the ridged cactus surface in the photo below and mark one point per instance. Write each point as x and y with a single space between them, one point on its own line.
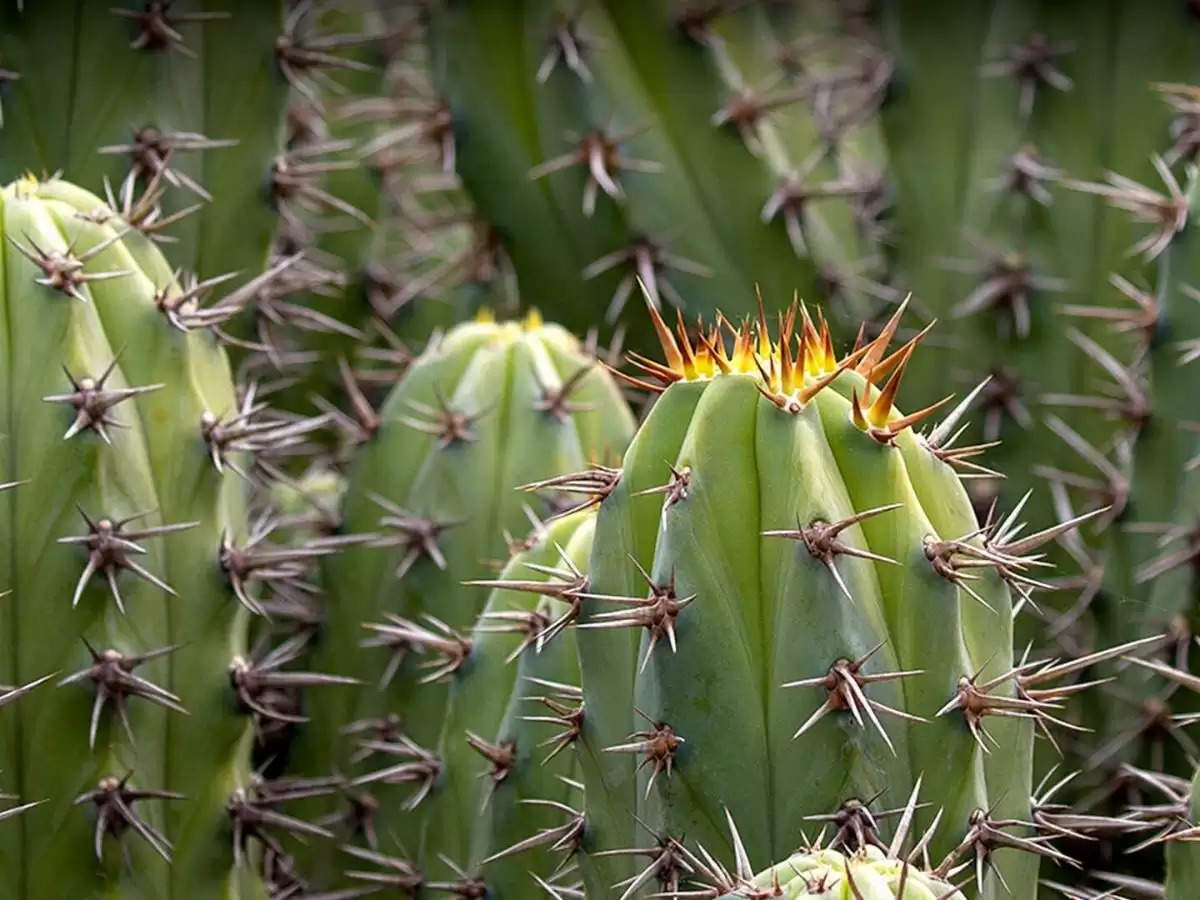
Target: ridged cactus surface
112 423
509 774
487 408
1183 856
792 609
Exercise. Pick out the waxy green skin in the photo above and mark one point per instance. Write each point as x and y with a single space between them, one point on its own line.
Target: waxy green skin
767 612
478 367
158 462
82 87
1183 857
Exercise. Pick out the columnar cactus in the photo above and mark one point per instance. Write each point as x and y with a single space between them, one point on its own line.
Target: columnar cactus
125 536
791 610
508 781
487 408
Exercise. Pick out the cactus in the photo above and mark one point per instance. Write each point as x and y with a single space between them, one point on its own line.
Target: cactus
125 539
506 776
780 547
486 408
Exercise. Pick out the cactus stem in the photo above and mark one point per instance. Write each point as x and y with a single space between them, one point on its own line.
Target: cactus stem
530 624
667 863
114 801
466 887
238 433
676 489
256 681
568 42
565 838
566 704
1033 64
109 546
1142 320
92 402
986 835
402 635
821 540
250 817
400 873
142 213
1166 212
158 25
284 567
844 683
419 766
293 181
1027 176
502 756
976 702
555 402
601 155
151 151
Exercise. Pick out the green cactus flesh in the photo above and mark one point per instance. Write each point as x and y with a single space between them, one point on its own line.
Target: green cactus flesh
790 608
485 409
113 540
1183 856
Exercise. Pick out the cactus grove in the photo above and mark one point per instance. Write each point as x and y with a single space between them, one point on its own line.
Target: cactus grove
334 570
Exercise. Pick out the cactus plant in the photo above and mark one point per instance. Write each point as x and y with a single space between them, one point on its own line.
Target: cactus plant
799 523
124 541
486 408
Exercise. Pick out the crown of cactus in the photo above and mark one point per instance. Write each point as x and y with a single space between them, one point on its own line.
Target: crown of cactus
129 549
486 408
